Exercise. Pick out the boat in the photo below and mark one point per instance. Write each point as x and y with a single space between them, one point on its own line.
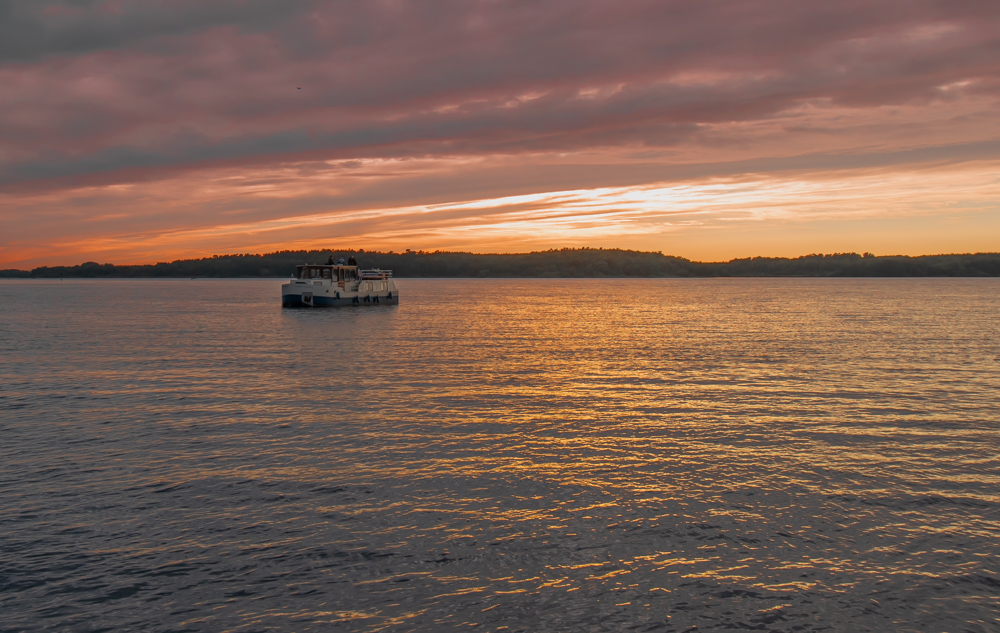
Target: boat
329 285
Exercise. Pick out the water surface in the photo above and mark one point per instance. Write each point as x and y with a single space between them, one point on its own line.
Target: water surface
518 455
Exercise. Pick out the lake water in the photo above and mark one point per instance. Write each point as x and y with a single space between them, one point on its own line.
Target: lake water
516 455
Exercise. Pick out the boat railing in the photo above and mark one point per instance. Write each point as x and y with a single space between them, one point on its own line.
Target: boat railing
375 273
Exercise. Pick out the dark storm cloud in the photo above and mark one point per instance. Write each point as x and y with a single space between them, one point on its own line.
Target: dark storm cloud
31 29
105 90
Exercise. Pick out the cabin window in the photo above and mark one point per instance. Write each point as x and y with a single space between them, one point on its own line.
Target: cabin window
326 273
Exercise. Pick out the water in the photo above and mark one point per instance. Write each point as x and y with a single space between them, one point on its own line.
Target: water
517 455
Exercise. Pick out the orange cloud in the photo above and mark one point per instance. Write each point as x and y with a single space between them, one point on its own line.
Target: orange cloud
711 130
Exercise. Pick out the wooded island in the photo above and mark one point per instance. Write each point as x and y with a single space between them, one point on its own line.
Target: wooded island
579 262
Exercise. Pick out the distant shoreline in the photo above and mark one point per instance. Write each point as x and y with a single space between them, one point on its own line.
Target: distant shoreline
564 263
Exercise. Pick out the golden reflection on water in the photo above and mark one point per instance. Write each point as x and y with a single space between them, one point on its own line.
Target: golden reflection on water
546 454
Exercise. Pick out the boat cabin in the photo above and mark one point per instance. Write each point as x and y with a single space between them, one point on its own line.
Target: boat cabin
336 272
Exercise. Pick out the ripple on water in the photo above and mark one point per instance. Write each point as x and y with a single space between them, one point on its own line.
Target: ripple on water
784 455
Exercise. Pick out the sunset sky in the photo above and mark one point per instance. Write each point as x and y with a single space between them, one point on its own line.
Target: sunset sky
136 131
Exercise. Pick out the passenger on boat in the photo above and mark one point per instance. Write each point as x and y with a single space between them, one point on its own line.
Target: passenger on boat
341 261
351 261
329 262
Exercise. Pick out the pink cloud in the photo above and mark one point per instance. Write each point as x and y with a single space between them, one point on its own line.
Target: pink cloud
103 94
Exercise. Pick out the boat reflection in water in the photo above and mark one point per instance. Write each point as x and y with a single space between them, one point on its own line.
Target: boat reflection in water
338 285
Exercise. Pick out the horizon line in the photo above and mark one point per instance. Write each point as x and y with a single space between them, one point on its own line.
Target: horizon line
346 251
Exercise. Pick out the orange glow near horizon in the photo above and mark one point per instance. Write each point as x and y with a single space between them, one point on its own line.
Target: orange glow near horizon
886 211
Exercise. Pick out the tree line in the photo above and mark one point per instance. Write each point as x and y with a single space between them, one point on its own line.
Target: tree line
567 262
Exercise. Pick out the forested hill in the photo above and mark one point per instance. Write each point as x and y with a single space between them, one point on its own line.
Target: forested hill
584 262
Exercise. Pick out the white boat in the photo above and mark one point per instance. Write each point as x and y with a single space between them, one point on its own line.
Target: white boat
338 285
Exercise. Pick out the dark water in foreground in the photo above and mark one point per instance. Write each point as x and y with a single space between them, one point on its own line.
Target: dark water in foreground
518 455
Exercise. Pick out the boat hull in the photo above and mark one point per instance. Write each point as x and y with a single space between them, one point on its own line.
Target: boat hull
302 300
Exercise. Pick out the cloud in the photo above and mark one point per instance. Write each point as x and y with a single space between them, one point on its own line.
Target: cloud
502 97
921 209
34 29
389 78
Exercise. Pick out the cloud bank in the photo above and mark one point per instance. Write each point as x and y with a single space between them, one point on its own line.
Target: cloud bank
108 104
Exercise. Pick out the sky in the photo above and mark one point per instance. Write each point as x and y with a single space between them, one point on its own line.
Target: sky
136 131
